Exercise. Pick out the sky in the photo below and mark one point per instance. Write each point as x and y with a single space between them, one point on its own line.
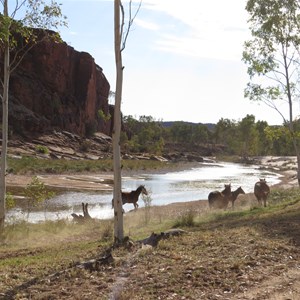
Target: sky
182 58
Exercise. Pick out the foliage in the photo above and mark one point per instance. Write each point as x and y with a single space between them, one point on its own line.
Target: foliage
248 136
21 35
10 201
36 194
280 140
243 138
187 133
147 199
42 149
273 58
103 116
143 135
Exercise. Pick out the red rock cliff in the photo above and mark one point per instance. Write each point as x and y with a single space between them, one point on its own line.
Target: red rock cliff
57 87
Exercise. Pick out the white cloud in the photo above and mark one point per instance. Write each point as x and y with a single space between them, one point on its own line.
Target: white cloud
205 29
224 47
145 24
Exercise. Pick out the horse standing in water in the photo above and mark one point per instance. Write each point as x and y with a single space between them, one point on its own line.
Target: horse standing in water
218 199
261 191
132 197
235 194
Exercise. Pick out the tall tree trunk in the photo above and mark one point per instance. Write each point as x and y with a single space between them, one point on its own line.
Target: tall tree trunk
6 73
296 148
118 211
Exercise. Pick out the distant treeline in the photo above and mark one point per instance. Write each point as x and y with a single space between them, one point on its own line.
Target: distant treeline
244 138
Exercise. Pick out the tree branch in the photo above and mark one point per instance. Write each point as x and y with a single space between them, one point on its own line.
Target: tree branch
130 22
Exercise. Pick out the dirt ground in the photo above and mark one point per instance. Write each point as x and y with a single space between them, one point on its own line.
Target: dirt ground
256 257
253 256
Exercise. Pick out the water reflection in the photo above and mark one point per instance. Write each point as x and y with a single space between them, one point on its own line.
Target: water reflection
188 185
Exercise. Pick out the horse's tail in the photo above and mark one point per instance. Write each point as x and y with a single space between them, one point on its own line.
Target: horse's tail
211 198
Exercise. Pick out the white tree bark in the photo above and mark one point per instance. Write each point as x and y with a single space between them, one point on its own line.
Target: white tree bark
118 211
4 127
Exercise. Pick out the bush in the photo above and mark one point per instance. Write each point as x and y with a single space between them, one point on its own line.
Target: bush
36 194
41 149
10 201
147 201
186 220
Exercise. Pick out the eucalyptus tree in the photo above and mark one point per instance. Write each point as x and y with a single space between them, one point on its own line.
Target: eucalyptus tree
17 37
248 136
273 58
120 37
264 145
225 133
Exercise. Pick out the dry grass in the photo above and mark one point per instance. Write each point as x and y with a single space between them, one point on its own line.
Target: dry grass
251 253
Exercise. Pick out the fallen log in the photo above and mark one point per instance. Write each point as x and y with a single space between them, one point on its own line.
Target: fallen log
154 238
95 264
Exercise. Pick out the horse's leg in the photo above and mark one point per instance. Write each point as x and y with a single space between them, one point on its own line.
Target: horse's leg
226 204
210 202
259 201
112 203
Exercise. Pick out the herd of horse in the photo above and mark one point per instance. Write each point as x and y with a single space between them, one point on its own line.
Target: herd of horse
221 199
216 199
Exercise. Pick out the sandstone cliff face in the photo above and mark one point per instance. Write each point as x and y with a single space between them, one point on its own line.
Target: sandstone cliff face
57 87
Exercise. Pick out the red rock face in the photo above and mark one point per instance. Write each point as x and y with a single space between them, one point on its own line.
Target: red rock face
57 87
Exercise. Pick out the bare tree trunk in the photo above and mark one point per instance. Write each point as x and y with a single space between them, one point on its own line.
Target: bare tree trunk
118 212
4 128
296 148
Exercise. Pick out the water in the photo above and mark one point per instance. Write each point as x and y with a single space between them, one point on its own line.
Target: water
188 185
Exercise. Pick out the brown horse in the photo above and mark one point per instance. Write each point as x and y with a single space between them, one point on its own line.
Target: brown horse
235 194
261 191
218 199
132 197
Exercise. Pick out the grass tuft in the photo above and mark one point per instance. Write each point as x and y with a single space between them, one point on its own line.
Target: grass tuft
187 219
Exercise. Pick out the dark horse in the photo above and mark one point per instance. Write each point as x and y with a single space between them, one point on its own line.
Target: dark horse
261 191
218 199
235 194
133 196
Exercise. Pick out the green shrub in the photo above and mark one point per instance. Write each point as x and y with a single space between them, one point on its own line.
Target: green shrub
41 149
10 201
36 194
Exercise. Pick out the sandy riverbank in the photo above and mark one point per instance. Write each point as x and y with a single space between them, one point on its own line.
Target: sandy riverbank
104 181
285 165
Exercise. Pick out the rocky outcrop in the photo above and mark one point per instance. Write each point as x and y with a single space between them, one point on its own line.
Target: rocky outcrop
62 145
58 88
